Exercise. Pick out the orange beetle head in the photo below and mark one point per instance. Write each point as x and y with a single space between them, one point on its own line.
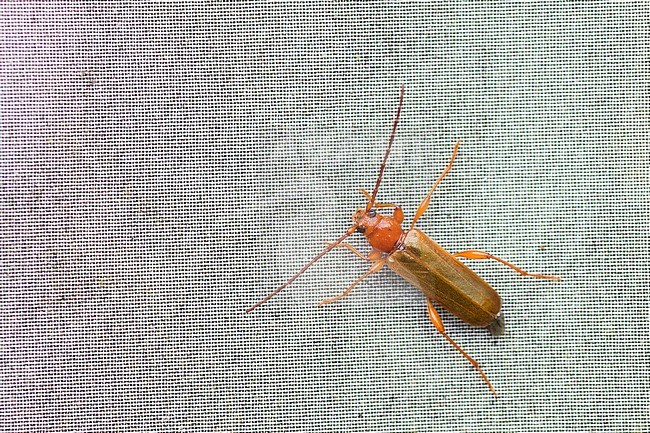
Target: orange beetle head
365 220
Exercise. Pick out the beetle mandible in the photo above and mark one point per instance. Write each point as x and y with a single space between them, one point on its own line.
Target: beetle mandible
440 276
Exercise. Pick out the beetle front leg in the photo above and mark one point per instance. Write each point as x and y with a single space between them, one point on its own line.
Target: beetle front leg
425 203
398 214
368 197
482 255
437 322
376 267
373 256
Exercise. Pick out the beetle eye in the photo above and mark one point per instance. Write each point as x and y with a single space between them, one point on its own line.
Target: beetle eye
361 229
372 213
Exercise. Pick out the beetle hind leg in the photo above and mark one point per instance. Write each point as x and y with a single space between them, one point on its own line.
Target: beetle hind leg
437 322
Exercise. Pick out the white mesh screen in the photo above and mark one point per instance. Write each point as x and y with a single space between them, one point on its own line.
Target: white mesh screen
166 166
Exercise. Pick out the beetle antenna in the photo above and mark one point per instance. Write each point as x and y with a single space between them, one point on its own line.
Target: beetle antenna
390 144
329 248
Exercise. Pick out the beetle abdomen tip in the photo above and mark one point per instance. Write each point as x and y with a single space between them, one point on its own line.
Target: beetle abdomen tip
498 325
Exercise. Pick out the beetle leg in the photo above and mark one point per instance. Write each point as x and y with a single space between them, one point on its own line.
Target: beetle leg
482 255
425 203
398 215
376 267
368 196
437 322
373 256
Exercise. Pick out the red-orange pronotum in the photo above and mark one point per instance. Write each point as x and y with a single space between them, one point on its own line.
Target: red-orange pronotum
415 257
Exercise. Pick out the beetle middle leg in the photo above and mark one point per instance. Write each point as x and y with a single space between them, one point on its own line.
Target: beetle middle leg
376 267
482 255
437 322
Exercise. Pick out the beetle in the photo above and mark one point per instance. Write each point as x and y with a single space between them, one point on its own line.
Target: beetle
439 275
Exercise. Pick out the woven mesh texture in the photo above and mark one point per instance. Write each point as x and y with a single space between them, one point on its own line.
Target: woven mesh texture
166 166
